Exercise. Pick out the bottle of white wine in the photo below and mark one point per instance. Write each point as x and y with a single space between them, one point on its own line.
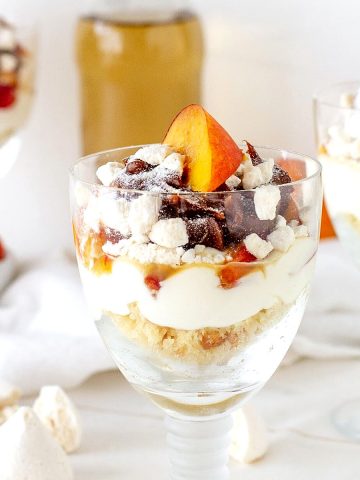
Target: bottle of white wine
139 63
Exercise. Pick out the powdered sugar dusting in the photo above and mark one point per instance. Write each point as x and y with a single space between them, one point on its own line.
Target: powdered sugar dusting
172 228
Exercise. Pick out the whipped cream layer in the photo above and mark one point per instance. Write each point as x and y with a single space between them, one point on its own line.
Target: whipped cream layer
341 184
192 298
341 174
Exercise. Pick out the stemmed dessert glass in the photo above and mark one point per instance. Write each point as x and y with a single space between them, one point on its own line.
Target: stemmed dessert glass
337 125
17 69
197 338
16 95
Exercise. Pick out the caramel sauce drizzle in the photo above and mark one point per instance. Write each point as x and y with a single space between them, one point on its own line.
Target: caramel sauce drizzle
94 259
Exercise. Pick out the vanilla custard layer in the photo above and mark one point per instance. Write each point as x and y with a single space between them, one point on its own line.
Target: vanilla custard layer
193 298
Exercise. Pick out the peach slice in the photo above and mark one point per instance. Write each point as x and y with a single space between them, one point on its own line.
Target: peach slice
212 155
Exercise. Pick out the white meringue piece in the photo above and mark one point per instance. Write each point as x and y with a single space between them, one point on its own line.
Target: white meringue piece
108 172
266 199
59 415
152 154
7 38
143 213
174 162
169 233
28 452
9 394
257 246
282 238
249 435
7 412
233 181
8 63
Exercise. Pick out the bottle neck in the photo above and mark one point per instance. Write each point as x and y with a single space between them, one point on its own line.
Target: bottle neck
138 10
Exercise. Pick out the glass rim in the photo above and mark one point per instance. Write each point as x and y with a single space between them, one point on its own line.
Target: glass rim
317 96
84 158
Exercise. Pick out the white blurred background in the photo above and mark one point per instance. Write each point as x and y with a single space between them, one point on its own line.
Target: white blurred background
264 61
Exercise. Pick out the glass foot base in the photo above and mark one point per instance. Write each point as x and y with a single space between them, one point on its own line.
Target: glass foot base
199 450
346 419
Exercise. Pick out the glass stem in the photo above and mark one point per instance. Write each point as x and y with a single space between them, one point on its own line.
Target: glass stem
198 449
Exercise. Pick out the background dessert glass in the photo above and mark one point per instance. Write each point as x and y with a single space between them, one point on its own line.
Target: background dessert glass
17 66
337 124
198 339
14 115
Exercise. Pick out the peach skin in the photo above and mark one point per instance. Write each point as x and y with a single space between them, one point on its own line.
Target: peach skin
212 155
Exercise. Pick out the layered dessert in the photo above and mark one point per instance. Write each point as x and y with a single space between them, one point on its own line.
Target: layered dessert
194 248
339 153
16 78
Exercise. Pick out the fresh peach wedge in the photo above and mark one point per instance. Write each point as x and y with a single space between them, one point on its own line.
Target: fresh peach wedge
212 155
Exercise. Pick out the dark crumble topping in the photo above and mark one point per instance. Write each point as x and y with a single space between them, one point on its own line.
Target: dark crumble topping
216 219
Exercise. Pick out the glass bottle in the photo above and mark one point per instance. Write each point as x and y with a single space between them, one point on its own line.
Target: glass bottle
139 63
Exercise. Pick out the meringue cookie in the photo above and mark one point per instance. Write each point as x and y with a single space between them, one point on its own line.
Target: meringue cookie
59 415
9 394
7 412
249 436
28 452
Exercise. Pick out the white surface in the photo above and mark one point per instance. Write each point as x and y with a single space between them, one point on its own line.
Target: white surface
264 61
124 434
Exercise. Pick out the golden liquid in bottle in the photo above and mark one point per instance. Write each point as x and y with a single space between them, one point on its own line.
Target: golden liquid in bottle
135 77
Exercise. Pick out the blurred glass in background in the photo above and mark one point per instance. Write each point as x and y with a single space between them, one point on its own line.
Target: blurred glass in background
17 70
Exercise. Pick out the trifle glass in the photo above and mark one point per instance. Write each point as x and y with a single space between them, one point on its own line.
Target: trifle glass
17 43
197 295
337 123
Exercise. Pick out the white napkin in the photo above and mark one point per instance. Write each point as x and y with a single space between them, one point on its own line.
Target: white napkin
48 337
46 333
